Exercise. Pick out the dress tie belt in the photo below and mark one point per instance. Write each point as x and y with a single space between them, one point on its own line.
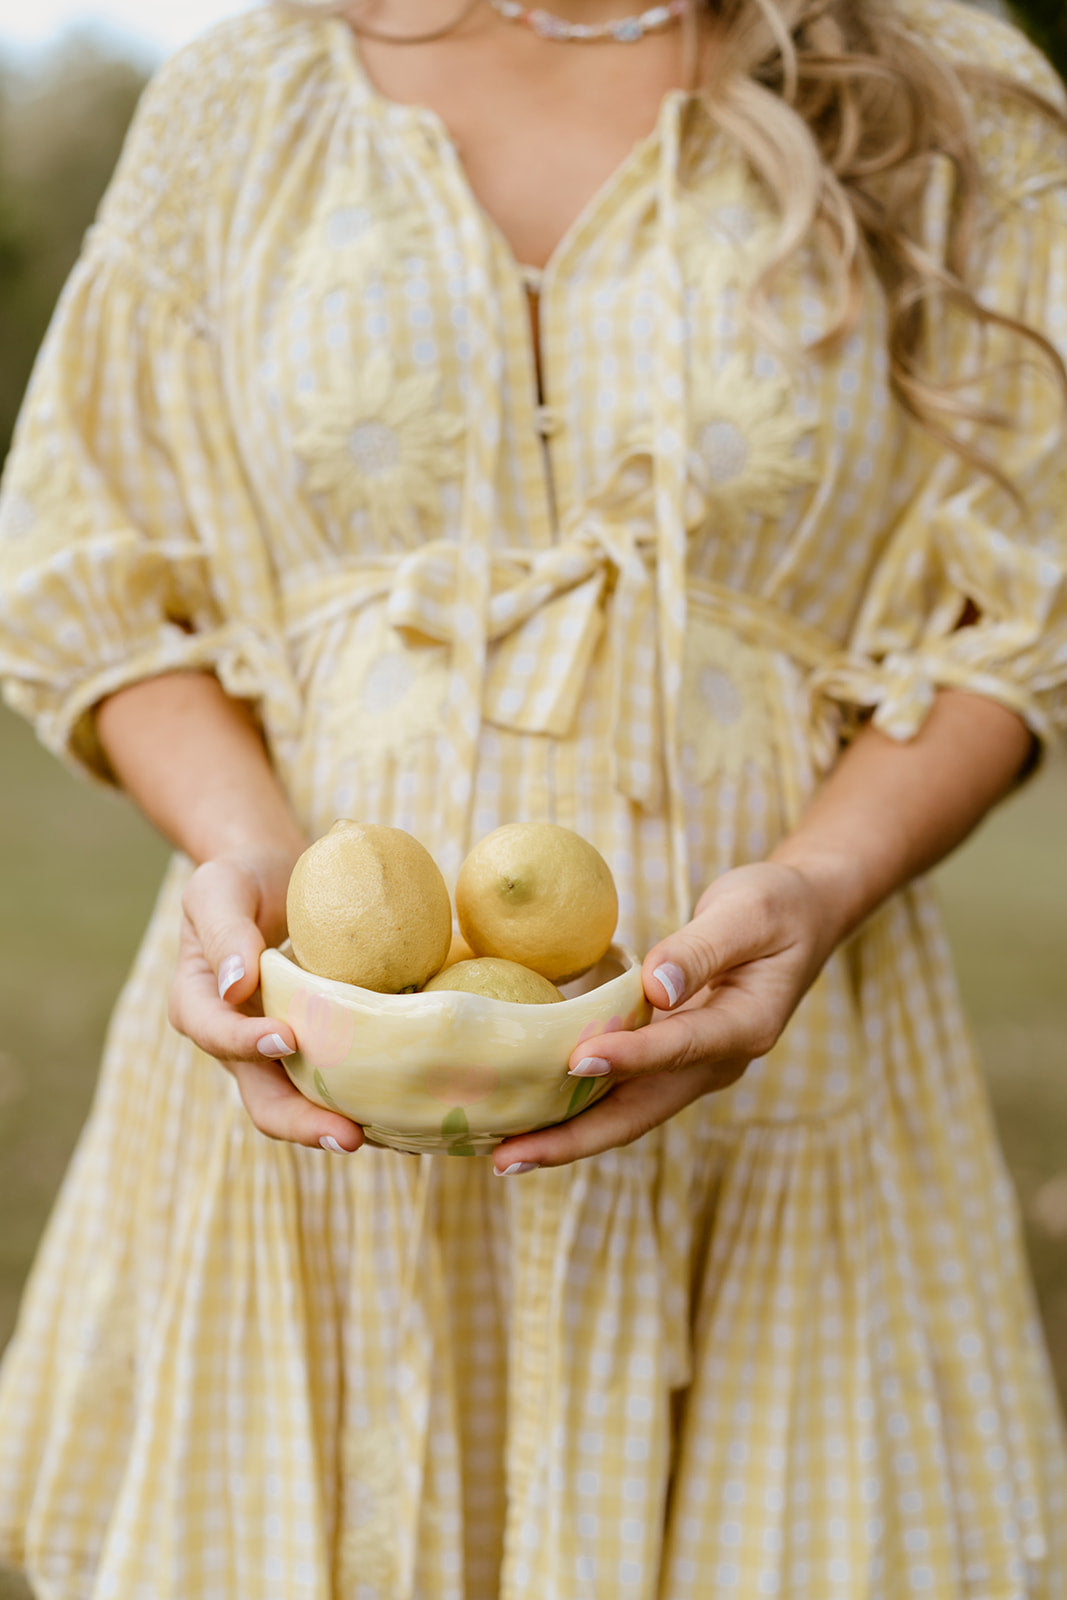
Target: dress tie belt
546 614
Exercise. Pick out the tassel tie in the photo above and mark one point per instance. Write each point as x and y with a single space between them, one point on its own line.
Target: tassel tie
670 474
619 561
422 1308
900 688
608 549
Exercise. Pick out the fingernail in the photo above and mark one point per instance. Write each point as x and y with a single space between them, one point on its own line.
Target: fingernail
590 1067
328 1142
672 979
518 1166
273 1045
231 972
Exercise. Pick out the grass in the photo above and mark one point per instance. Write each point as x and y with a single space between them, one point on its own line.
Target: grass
1005 897
79 870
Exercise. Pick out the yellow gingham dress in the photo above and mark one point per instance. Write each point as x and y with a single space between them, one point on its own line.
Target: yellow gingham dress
286 427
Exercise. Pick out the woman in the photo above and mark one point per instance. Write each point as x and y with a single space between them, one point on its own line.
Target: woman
733 327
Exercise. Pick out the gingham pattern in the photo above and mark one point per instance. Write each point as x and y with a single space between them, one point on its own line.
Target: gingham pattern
782 1346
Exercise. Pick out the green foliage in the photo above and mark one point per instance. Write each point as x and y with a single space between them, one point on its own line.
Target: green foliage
61 129
1046 23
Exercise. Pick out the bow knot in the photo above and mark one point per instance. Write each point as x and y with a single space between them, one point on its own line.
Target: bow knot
544 617
898 689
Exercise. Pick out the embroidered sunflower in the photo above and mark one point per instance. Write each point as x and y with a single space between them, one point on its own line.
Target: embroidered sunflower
743 455
725 722
375 444
358 228
727 229
398 687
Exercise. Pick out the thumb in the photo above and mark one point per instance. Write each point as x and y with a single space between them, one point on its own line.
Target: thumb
221 903
723 934
674 970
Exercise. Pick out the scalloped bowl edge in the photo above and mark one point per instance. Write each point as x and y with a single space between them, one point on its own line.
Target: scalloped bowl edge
447 1072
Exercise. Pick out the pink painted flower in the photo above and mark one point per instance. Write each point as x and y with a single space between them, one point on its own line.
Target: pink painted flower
612 1025
323 1029
461 1086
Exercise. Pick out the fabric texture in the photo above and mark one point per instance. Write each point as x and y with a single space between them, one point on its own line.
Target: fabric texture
286 428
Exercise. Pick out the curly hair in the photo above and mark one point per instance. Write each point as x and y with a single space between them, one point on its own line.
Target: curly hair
847 115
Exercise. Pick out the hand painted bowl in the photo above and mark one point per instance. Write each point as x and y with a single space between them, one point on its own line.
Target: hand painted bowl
447 1071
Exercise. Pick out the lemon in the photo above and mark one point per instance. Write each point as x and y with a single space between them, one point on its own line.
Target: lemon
458 950
538 894
500 980
367 905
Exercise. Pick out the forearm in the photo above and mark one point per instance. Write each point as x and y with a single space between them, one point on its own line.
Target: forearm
890 811
195 763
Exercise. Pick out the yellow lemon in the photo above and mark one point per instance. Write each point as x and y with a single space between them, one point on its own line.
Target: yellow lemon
368 905
539 894
500 980
458 950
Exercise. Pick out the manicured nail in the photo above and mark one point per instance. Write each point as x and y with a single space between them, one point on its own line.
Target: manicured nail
273 1045
231 972
590 1067
518 1166
328 1142
672 979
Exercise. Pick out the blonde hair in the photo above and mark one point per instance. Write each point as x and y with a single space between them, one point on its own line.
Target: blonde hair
845 115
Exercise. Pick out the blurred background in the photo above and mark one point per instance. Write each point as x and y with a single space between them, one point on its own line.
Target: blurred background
78 869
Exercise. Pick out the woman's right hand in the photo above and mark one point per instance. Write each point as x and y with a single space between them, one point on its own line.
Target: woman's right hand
233 907
194 760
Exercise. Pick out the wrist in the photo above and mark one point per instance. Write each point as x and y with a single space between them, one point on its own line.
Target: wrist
891 810
195 761
837 881
269 863
264 852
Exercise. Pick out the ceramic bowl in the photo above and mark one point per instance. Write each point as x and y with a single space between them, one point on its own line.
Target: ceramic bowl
447 1071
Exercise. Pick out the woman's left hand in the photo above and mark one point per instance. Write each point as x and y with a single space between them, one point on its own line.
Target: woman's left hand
724 987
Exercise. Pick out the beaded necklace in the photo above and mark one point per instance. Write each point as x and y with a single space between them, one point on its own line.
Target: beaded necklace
624 30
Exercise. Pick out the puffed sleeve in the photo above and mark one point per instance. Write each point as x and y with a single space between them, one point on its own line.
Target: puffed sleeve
123 508
970 589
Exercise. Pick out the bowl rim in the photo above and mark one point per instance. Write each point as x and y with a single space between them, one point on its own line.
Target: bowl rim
462 999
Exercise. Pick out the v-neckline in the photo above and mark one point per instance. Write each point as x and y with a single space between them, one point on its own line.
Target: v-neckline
435 125
538 345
